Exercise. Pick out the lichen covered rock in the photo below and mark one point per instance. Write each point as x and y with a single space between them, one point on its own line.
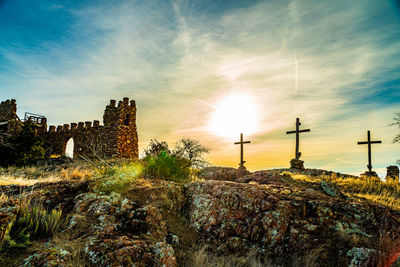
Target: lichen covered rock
277 219
50 257
160 223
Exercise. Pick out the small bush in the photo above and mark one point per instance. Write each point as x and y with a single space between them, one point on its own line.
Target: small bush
31 223
167 166
23 147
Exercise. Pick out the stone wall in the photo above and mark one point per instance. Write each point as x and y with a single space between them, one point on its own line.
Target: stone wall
116 138
84 134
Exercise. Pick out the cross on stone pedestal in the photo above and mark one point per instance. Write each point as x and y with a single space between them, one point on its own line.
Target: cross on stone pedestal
369 142
241 149
297 132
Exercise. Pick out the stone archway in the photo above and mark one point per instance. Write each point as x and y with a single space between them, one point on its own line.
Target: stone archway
69 148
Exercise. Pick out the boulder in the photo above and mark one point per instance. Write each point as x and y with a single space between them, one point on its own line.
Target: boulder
392 173
223 173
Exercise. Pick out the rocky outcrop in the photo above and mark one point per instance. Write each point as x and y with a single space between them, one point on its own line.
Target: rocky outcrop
222 173
159 223
280 219
113 230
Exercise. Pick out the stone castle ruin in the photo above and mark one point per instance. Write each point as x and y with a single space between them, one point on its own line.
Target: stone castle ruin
117 137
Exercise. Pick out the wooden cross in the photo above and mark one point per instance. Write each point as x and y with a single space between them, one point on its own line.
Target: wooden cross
297 132
241 149
369 142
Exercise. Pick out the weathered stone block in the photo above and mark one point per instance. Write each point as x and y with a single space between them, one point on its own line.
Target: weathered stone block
297 164
369 174
392 173
242 171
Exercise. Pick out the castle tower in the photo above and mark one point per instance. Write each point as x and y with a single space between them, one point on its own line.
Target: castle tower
119 138
9 121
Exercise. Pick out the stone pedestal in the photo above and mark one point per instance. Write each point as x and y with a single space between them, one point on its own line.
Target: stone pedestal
297 164
392 173
242 171
369 174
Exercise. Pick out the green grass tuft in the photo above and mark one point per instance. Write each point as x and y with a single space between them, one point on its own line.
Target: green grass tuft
31 222
118 178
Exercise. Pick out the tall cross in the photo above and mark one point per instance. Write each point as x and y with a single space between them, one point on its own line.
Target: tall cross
369 142
297 132
241 149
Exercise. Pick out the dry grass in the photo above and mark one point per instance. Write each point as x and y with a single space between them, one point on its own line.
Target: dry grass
388 251
31 175
372 190
76 173
12 180
3 198
75 247
204 258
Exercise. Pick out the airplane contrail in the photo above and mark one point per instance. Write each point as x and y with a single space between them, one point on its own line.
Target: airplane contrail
296 74
17 72
204 102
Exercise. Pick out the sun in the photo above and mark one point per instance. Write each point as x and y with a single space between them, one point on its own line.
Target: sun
234 114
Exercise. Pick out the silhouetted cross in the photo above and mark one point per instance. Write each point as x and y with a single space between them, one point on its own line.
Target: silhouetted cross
241 148
297 132
369 142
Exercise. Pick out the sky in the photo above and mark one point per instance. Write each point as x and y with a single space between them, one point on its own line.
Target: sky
334 64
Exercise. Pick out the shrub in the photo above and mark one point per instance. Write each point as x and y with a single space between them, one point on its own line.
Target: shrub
23 147
167 166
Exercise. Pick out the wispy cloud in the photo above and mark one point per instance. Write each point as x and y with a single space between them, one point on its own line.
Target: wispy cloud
297 58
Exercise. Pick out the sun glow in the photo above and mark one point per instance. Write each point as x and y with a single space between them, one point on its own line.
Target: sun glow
233 115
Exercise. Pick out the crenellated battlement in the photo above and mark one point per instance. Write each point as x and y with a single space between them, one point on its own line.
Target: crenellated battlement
72 127
116 138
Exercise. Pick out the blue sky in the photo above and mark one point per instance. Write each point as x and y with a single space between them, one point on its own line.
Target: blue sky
178 59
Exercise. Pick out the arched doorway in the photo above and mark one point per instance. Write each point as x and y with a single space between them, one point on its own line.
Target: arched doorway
69 148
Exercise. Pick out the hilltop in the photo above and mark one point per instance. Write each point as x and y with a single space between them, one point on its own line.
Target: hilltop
114 217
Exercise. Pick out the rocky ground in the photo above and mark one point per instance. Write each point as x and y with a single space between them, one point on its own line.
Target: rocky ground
267 214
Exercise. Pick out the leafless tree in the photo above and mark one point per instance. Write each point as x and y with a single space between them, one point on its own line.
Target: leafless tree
95 153
156 147
396 122
193 151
